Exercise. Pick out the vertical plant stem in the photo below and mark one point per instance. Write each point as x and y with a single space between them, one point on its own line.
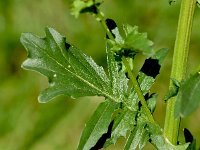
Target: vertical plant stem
100 16
138 90
178 72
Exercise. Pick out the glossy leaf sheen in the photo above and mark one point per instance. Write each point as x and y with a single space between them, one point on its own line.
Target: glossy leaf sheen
96 126
188 98
70 72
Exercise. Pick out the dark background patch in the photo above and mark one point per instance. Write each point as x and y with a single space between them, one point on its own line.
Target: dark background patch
151 67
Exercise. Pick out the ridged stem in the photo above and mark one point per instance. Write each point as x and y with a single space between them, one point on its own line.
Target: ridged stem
178 72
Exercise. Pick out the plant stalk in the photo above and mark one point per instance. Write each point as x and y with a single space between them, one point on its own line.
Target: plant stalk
100 16
138 90
181 49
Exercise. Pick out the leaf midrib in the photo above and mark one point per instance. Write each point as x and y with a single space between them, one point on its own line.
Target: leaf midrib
79 77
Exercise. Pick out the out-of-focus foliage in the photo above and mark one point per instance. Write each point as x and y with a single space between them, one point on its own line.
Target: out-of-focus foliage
26 124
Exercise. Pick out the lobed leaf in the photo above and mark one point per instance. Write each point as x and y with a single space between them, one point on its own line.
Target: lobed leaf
188 97
70 72
132 43
96 126
137 41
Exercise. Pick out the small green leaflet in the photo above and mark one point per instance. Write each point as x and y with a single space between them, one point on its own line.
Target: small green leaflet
173 91
133 42
70 72
138 136
151 102
97 125
188 97
137 41
85 6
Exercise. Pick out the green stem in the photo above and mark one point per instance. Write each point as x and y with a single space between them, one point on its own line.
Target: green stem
178 72
138 90
101 18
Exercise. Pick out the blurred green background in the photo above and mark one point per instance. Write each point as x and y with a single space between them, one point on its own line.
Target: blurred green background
27 125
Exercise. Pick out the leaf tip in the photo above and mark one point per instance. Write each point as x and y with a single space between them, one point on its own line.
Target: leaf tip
41 99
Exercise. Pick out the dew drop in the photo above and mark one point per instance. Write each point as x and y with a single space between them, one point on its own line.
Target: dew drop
69 66
55 75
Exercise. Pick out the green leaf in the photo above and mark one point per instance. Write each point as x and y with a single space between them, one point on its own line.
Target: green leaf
158 140
97 125
119 82
146 76
135 137
145 83
85 6
139 135
173 91
151 102
70 72
188 98
144 139
123 123
160 55
137 41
